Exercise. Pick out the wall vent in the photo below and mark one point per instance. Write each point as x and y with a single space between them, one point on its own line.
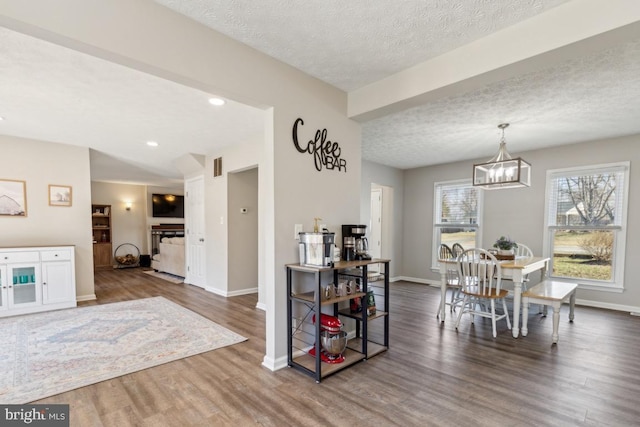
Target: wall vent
217 167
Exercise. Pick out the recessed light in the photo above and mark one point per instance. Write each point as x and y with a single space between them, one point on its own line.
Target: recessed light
152 143
216 101
1 118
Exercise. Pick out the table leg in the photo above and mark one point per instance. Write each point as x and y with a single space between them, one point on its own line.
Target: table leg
572 304
556 321
443 293
525 316
517 296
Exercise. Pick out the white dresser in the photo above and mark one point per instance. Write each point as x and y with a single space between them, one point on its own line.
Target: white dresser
36 279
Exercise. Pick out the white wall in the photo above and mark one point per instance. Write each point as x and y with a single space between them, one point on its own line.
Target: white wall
40 164
519 213
234 159
126 226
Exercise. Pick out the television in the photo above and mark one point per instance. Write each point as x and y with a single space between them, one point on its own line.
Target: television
167 206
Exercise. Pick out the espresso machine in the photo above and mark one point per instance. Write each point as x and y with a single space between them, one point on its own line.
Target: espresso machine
354 245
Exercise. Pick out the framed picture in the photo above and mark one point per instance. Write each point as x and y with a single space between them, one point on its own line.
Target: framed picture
59 195
13 197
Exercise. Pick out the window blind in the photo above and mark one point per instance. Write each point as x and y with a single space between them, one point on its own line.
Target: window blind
589 198
457 204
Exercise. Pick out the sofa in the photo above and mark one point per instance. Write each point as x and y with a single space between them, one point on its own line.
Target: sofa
170 259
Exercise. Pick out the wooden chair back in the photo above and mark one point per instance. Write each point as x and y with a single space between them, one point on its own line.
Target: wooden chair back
457 249
445 252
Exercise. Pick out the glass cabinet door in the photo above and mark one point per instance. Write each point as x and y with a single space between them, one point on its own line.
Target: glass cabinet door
23 290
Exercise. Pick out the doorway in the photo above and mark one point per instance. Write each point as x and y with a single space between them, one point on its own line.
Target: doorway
381 222
242 205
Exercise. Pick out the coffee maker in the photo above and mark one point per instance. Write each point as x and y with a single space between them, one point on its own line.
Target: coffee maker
354 245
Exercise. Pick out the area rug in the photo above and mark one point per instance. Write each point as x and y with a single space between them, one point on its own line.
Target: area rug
49 353
165 276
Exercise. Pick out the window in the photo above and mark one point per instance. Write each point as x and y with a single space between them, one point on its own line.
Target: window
457 207
586 224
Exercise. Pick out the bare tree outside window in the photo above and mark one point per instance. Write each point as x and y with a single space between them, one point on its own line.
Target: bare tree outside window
593 197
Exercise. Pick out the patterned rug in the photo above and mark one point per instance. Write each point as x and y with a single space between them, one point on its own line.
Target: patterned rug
49 353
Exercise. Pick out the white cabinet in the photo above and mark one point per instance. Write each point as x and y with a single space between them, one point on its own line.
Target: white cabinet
57 277
36 279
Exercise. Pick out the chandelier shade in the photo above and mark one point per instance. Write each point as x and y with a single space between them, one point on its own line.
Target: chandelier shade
502 171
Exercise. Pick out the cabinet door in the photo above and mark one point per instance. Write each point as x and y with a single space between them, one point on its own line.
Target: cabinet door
4 288
57 284
24 285
102 255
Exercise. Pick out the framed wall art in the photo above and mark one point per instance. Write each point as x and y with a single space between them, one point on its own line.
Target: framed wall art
59 195
13 197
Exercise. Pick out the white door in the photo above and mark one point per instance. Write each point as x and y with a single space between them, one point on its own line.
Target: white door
375 235
195 232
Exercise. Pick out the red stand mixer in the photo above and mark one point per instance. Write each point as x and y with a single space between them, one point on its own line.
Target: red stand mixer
332 338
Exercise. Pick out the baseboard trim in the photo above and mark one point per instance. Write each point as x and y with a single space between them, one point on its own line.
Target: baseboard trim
275 364
421 281
261 306
232 293
90 297
608 306
243 292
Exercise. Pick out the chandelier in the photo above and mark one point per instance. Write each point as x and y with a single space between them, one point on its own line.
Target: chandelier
502 171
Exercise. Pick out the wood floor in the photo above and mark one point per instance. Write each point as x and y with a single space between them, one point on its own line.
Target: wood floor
431 375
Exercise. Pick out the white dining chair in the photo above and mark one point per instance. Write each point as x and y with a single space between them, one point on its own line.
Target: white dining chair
523 251
452 281
480 275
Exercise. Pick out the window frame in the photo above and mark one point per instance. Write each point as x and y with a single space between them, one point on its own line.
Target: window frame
437 186
620 236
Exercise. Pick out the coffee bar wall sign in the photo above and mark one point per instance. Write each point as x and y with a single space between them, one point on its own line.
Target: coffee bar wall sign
326 154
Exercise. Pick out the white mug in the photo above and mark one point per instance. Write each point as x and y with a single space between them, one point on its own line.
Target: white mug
349 288
342 289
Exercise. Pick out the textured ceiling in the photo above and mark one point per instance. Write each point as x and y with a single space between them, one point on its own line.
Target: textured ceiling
353 43
56 94
52 93
594 97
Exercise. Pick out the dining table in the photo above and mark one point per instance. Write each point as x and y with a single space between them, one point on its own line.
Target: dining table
515 270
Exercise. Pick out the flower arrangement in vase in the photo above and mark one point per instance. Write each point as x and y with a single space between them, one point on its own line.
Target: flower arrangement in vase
505 245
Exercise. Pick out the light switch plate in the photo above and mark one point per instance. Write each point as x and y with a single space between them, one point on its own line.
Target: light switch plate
297 229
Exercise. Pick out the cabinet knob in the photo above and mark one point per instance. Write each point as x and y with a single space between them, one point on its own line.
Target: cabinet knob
44 283
56 255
